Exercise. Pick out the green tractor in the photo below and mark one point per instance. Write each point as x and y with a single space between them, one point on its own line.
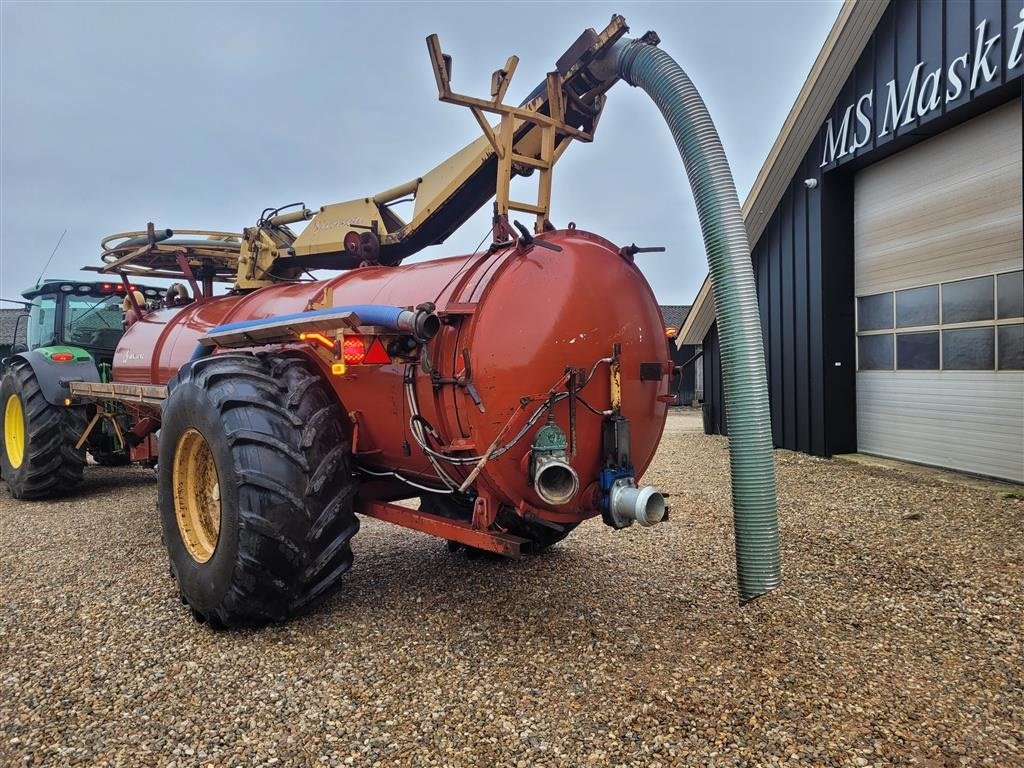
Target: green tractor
72 330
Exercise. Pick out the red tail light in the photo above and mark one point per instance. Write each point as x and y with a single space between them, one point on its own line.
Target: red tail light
353 350
61 357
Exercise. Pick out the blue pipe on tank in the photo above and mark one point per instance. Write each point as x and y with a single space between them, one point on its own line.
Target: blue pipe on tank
394 318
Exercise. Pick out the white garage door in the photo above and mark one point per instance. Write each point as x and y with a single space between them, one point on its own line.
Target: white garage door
939 253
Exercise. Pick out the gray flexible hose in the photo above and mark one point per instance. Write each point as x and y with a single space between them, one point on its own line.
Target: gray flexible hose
755 510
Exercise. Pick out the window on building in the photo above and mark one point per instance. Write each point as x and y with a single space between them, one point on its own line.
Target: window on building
1010 295
874 352
969 349
1011 347
917 351
975 324
874 312
917 307
968 301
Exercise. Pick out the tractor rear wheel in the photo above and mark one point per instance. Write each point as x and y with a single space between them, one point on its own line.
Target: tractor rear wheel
256 490
39 457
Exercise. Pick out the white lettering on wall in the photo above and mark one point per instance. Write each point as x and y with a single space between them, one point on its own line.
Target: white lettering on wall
921 96
864 120
923 107
906 106
835 142
954 79
1015 56
981 63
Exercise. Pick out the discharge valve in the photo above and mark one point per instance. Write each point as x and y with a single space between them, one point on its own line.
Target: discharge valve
555 481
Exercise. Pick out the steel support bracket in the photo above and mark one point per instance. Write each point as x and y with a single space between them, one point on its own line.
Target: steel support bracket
443 527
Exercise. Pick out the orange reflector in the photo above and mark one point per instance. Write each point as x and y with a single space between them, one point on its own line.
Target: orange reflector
67 401
376 354
353 350
338 369
62 357
317 337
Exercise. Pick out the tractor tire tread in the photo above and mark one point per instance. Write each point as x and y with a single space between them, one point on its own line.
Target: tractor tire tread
52 466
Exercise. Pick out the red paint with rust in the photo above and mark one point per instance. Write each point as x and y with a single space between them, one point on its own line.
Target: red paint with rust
523 316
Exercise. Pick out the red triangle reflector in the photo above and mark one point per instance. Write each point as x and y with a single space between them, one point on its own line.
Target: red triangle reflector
376 354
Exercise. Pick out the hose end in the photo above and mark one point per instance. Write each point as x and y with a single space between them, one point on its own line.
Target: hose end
629 504
422 322
555 481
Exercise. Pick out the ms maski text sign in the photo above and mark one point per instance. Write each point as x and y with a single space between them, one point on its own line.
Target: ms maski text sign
924 91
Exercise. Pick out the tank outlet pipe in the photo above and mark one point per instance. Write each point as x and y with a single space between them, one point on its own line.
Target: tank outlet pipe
555 480
551 475
755 506
629 504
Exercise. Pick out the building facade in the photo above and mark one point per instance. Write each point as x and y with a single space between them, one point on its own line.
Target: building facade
685 358
886 231
13 324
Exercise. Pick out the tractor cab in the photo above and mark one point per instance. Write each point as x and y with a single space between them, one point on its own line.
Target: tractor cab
85 315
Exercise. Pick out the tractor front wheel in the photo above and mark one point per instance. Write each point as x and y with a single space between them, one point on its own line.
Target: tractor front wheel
39 457
256 491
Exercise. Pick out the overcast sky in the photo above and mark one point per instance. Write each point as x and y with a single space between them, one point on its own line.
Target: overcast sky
200 115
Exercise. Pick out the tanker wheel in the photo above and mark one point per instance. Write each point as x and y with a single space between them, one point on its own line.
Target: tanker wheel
39 457
460 508
256 492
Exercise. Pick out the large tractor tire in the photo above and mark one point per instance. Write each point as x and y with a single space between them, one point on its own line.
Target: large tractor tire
39 458
540 537
256 490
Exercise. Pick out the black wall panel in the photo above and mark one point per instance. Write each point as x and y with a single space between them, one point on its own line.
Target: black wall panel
713 397
788 312
803 261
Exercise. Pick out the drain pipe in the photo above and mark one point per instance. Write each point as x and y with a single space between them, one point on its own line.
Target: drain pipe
755 510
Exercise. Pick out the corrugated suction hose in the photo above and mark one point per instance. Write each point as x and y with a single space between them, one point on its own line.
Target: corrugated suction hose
755 509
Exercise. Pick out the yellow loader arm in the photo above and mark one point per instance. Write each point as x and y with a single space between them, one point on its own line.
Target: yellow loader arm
527 138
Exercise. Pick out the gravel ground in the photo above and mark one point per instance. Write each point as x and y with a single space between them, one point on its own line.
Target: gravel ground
896 638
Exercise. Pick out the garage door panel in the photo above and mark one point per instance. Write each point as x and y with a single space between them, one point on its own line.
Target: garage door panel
981 433
952 203
946 209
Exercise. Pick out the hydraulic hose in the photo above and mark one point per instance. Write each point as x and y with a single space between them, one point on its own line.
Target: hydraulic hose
755 508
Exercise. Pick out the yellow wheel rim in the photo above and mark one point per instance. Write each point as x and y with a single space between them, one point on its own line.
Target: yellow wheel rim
14 431
196 495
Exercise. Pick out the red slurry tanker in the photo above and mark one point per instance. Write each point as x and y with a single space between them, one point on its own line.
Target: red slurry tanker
516 391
